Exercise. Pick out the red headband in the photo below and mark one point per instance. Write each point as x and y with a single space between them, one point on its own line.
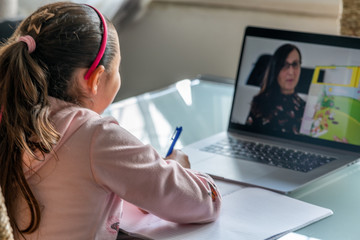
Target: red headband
102 46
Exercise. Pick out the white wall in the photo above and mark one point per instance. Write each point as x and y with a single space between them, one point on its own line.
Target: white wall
107 7
181 39
8 8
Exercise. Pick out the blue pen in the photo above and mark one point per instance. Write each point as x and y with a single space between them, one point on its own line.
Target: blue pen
174 139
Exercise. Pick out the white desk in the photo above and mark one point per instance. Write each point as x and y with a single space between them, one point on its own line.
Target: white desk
202 108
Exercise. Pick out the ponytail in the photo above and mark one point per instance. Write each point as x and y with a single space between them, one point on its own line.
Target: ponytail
24 128
67 37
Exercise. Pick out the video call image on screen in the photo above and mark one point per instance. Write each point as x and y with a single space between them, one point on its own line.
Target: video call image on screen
324 99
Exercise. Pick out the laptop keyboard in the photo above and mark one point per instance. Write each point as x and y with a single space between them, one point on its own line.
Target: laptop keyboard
272 155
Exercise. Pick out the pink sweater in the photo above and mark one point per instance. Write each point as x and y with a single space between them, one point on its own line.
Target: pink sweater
97 166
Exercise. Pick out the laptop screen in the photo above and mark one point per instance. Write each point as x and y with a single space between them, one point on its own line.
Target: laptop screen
299 86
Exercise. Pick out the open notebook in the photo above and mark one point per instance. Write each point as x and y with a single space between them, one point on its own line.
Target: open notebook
295 114
247 213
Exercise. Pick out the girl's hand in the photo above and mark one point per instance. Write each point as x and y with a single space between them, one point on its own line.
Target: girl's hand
180 157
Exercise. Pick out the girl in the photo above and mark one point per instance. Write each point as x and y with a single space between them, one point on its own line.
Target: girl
65 170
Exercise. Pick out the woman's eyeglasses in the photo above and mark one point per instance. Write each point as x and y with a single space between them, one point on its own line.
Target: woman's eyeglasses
295 65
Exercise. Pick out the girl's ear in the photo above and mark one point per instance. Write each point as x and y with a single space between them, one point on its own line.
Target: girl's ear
94 80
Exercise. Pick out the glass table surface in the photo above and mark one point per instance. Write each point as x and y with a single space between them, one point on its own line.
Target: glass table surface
202 108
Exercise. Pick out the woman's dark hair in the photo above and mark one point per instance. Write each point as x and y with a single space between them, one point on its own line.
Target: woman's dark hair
258 73
271 85
68 37
263 102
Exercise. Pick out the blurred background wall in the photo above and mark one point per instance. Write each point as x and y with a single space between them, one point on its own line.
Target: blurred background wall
177 39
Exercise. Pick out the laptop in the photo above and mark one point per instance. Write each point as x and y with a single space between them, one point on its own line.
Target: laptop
325 131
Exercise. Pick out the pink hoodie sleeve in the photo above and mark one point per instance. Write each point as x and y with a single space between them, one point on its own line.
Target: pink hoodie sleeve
135 172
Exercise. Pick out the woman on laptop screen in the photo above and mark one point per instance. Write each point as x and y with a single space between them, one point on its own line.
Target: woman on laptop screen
277 107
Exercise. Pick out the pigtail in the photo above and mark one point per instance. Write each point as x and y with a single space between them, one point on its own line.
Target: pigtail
25 127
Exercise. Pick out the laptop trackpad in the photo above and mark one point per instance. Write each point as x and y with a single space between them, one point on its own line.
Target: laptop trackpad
233 169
